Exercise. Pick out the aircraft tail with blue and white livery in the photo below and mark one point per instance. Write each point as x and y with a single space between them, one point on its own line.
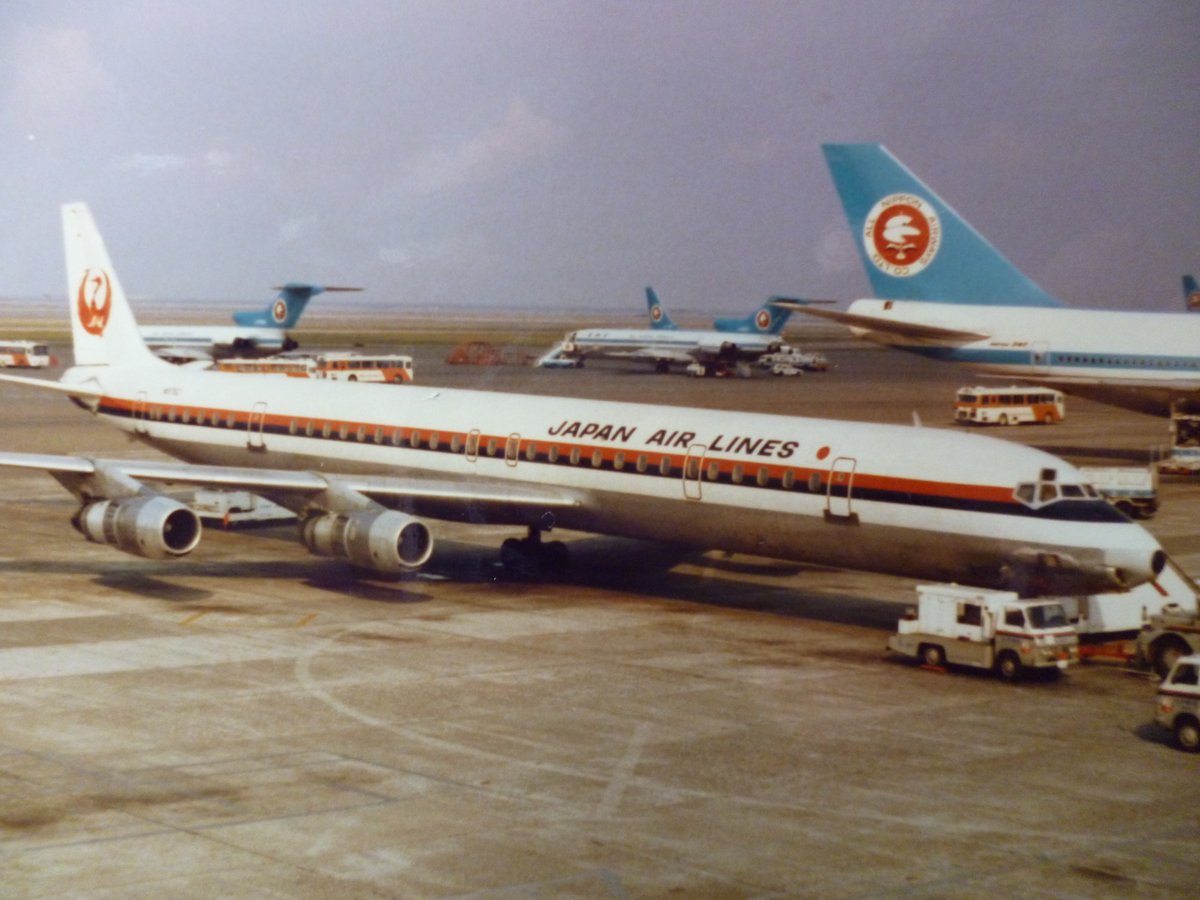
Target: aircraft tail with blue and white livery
914 245
285 310
1191 294
660 319
767 319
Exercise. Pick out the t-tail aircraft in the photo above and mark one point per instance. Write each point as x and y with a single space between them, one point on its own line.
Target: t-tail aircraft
257 332
767 319
941 290
364 466
730 345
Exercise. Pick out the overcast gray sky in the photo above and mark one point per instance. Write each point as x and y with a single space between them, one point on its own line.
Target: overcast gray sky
546 154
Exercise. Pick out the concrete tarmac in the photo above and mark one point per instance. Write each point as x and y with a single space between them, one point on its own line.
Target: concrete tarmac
258 722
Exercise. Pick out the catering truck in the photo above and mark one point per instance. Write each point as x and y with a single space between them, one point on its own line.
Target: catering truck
1178 702
987 630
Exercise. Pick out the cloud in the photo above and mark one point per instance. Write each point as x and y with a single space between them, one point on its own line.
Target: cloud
151 163
522 135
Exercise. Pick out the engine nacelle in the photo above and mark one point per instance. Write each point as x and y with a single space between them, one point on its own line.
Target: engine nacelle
149 525
381 540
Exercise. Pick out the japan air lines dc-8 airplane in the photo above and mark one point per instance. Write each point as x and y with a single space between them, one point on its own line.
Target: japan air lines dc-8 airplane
943 291
362 464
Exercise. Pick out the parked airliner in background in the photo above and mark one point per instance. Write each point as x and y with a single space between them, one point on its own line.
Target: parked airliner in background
257 332
730 343
941 290
767 319
360 463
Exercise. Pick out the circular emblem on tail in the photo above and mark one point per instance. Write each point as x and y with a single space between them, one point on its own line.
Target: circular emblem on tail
1193 301
902 235
279 311
656 314
94 301
762 320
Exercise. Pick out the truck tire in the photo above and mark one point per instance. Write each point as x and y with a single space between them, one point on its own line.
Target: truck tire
1165 651
1187 734
933 656
1009 666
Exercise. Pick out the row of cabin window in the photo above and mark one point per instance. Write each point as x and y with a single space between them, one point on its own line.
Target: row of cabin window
1141 363
642 464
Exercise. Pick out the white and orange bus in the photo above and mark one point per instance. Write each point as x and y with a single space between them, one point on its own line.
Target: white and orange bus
391 368
295 367
24 355
1008 405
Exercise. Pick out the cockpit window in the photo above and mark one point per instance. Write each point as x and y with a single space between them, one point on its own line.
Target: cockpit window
1037 494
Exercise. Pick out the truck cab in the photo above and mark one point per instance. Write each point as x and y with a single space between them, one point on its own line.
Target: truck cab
1178 702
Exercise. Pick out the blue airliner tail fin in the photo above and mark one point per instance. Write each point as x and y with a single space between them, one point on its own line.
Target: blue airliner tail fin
913 245
659 317
1191 294
285 310
767 319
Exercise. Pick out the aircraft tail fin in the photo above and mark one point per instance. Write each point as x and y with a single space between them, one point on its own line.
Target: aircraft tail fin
285 310
767 319
913 245
660 319
1191 294
103 329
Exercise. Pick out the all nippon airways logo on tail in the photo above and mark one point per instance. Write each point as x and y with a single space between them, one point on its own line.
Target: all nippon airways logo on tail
901 235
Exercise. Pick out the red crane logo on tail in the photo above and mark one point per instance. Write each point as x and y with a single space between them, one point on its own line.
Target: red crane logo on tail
902 235
94 301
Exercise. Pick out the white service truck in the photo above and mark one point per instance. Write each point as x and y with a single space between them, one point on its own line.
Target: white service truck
1178 702
1131 489
987 630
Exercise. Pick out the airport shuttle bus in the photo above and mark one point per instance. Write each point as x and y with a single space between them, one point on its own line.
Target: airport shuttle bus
24 355
1008 405
389 369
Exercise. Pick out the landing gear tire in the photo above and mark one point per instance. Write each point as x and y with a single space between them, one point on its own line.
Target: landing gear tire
1009 666
933 656
530 557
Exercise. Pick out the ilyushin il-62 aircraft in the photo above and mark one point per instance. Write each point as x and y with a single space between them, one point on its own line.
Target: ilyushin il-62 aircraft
364 466
943 291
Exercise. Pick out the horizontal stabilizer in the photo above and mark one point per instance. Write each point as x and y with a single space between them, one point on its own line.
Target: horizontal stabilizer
890 326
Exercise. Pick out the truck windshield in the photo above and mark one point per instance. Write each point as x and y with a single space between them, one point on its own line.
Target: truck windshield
1047 615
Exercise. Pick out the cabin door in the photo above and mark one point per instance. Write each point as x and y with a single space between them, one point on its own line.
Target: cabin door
693 471
839 499
256 426
139 413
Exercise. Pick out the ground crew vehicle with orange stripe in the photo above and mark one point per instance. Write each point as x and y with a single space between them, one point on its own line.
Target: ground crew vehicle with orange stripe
986 630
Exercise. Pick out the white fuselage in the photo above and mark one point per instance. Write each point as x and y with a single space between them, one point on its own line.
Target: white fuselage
920 502
215 340
669 345
1139 361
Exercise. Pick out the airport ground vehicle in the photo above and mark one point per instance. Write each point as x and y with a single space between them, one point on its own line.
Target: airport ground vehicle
794 356
986 630
1131 489
1008 405
1183 457
24 355
394 369
1172 633
1178 702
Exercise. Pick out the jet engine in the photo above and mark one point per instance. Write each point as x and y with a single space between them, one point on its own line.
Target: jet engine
148 525
381 540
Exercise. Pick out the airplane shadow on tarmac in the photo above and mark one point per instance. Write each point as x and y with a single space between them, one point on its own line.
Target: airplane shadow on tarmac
628 566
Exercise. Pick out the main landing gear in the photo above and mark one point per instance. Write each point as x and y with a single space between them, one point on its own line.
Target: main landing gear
530 556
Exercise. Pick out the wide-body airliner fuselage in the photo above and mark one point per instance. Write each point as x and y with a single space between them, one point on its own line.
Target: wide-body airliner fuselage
1140 361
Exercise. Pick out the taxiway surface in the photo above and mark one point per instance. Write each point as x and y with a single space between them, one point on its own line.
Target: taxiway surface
255 721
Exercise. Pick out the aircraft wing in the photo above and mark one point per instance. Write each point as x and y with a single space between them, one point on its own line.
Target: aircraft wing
476 500
890 326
